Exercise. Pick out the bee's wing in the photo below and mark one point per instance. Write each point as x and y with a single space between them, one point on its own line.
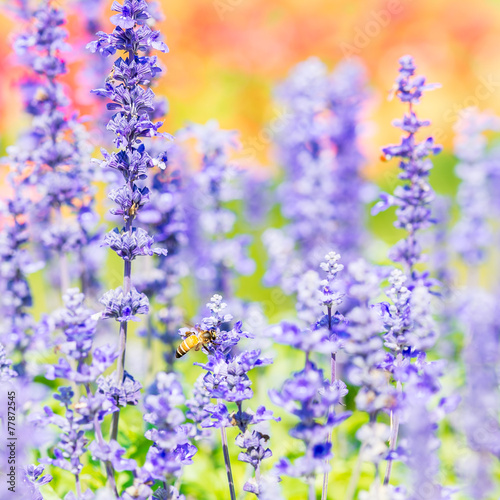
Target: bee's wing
186 332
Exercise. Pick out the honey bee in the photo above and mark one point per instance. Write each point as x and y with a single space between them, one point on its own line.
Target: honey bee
194 340
41 95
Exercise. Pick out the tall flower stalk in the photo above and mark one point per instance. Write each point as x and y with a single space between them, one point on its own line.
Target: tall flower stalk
408 319
227 382
308 394
413 199
54 150
364 367
322 190
128 89
216 256
473 236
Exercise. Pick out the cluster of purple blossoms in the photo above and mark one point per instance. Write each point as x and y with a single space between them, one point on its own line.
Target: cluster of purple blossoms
409 326
6 371
33 479
408 320
308 394
476 308
164 215
346 96
322 192
55 152
52 205
171 448
479 412
215 255
421 417
472 235
413 198
79 329
367 367
363 345
81 364
18 327
315 308
72 441
228 383
128 88
94 67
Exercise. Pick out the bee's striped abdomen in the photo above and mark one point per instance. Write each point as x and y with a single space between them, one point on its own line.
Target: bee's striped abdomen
187 344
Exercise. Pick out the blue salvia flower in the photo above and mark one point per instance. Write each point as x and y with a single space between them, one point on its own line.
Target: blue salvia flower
408 321
317 302
52 156
308 394
421 420
481 403
84 365
128 88
414 197
316 308
366 367
346 95
18 325
321 194
16 260
72 441
79 329
364 343
227 382
472 235
216 256
309 182
171 448
6 371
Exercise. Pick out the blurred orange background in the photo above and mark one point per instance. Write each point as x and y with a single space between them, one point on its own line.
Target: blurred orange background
227 55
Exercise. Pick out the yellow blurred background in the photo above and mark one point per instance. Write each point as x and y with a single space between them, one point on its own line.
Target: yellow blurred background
226 56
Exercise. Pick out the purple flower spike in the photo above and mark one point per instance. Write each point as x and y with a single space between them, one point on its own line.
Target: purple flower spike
477 170
171 436
128 87
216 254
413 199
323 189
309 396
227 382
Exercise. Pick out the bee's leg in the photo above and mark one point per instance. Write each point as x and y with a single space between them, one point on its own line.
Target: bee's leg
197 347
